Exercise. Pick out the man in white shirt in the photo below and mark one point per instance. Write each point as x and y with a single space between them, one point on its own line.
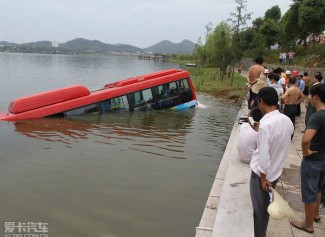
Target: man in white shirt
284 58
247 137
282 81
274 138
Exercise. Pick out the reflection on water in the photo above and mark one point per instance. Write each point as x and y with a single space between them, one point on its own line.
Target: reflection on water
139 174
147 132
54 130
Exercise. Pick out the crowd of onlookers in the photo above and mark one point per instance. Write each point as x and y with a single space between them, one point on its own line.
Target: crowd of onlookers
275 97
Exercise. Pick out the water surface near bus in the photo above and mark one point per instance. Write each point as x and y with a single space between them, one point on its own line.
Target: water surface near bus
118 174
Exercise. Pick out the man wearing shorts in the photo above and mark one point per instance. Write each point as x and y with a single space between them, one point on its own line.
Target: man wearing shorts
313 163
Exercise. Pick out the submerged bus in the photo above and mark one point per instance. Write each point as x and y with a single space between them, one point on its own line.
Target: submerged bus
172 88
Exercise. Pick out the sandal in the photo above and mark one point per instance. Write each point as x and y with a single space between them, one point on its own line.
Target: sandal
301 226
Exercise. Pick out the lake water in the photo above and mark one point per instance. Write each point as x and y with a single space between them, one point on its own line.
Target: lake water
138 174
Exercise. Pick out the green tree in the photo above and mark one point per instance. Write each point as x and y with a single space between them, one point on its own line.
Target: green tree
219 45
246 38
208 29
270 29
257 23
273 13
238 21
200 51
290 30
311 16
258 44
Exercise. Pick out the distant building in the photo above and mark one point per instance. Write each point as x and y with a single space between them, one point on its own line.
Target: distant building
55 44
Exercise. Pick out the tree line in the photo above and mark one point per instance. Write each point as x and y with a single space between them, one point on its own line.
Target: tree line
230 40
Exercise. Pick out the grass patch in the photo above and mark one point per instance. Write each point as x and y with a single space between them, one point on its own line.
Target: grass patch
208 80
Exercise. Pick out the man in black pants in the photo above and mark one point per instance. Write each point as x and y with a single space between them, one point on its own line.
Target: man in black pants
292 97
267 162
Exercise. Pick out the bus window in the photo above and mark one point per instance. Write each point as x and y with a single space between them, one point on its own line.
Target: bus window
166 94
113 104
105 106
185 83
119 103
125 102
185 93
172 85
82 110
162 96
147 94
140 99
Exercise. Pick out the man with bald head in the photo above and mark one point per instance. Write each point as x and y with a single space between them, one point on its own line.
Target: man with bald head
255 71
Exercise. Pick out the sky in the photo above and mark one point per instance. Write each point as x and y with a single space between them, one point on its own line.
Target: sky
141 23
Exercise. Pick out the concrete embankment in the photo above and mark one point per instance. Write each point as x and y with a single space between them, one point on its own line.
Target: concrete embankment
228 211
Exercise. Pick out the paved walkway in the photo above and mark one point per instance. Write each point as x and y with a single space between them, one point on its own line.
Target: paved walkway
228 211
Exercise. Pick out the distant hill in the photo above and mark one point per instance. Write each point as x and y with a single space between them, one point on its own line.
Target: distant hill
38 44
81 45
5 43
127 48
168 47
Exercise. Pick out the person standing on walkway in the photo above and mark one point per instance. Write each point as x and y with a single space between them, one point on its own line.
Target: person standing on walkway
274 138
313 162
308 83
277 87
254 72
247 136
301 85
286 78
261 82
310 109
282 83
292 97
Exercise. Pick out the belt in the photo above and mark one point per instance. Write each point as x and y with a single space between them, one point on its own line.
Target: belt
290 105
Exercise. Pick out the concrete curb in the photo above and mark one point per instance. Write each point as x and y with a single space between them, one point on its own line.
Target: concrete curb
228 211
